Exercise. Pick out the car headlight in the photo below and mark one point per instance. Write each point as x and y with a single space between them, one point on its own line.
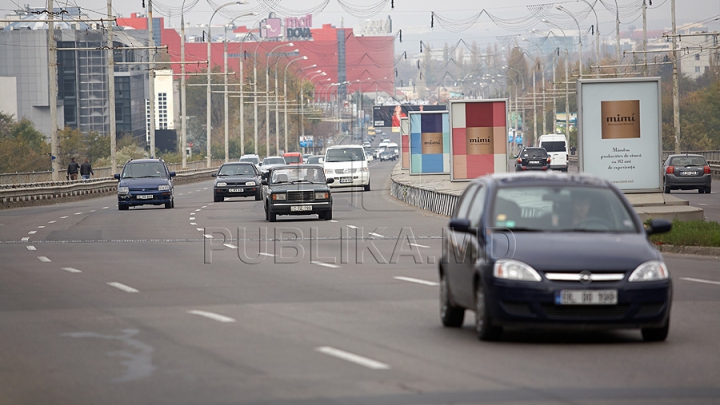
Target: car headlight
123 190
328 171
364 169
653 270
250 183
322 196
164 187
515 270
279 197
221 184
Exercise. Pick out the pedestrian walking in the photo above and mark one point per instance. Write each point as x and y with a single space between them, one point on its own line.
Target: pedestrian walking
86 170
72 170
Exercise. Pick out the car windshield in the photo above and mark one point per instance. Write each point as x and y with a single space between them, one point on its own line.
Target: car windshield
292 159
687 161
345 155
553 146
560 209
235 170
273 161
299 175
150 169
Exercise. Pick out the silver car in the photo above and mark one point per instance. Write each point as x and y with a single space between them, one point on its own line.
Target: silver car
687 172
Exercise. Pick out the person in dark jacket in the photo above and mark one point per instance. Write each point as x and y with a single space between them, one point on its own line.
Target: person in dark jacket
86 170
72 170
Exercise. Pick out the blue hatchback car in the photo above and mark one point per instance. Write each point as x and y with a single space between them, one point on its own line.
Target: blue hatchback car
552 250
145 182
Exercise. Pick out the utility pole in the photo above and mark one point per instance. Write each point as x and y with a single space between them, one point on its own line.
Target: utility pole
151 76
52 94
676 84
111 90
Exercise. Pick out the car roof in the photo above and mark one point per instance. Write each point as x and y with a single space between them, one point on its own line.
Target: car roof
344 146
239 164
300 166
685 154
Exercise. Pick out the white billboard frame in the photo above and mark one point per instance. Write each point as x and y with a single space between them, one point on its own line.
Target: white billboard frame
633 164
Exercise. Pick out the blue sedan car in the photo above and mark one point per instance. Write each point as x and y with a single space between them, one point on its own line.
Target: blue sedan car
145 182
552 250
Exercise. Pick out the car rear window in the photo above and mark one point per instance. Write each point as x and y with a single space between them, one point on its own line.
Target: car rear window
292 159
553 146
534 153
684 161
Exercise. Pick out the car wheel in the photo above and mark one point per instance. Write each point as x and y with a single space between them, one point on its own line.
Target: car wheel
328 215
666 190
656 334
708 189
258 196
701 190
218 199
272 217
483 322
267 217
123 207
367 187
450 315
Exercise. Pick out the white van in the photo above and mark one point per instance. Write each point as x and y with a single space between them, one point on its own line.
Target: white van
395 148
557 149
347 165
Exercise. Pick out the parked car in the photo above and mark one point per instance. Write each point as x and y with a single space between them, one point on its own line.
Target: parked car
348 165
387 154
297 190
532 159
237 179
686 172
551 250
557 148
145 182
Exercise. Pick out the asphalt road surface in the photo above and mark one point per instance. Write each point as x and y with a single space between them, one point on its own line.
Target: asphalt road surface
208 303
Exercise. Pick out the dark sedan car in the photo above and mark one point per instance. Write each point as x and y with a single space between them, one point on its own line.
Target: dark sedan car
387 154
687 172
145 182
532 159
237 179
297 190
552 250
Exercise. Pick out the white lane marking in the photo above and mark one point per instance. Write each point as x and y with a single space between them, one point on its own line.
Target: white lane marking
32 232
208 236
123 287
41 226
25 239
105 208
200 229
697 280
212 315
92 210
351 226
230 245
353 358
180 194
44 259
71 270
193 223
376 235
204 206
51 222
332 220
332 266
31 247
420 246
416 280
702 204
199 209
266 254
78 213
205 188
64 217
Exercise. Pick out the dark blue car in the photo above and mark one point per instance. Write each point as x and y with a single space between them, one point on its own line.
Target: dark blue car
143 182
552 250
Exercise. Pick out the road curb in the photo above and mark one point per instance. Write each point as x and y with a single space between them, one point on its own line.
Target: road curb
690 250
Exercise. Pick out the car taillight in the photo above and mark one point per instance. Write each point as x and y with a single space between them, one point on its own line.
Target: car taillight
670 170
519 160
549 160
706 169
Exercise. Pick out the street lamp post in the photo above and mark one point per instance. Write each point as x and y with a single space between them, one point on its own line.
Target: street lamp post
597 39
183 87
285 126
561 8
277 103
267 100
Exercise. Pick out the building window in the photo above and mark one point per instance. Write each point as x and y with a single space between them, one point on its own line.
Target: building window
697 69
697 56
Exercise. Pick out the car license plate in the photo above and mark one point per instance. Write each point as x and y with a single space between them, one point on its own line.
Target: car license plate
586 297
346 180
236 190
300 208
534 162
144 197
688 173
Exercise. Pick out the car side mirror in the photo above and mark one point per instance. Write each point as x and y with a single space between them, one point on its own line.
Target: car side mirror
116 176
214 175
264 182
658 226
330 180
460 225
173 174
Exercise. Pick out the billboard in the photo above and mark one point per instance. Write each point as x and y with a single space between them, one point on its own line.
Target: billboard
404 143
429 142
620 131
479 138
388 116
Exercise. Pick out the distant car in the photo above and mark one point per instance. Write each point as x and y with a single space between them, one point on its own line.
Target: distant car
532 159
387 154
145 182
367 144
557 149
237 179
555 251
687 172
271 161
293 158
348 165
252 158
395 148
315 159
297 190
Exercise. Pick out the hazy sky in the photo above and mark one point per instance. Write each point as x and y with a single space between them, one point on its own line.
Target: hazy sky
453 21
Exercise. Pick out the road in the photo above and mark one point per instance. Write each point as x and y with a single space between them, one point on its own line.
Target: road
152 306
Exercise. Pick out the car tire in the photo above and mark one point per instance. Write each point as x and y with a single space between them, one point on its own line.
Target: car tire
327 215
708 189
656 334
666 189
267 217
123 207
367 187
701 190
258 196
272 217
451 316
483 321
218 199
168 205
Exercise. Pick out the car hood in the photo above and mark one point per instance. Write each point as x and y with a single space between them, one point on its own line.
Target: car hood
573 250
237 178
143 182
